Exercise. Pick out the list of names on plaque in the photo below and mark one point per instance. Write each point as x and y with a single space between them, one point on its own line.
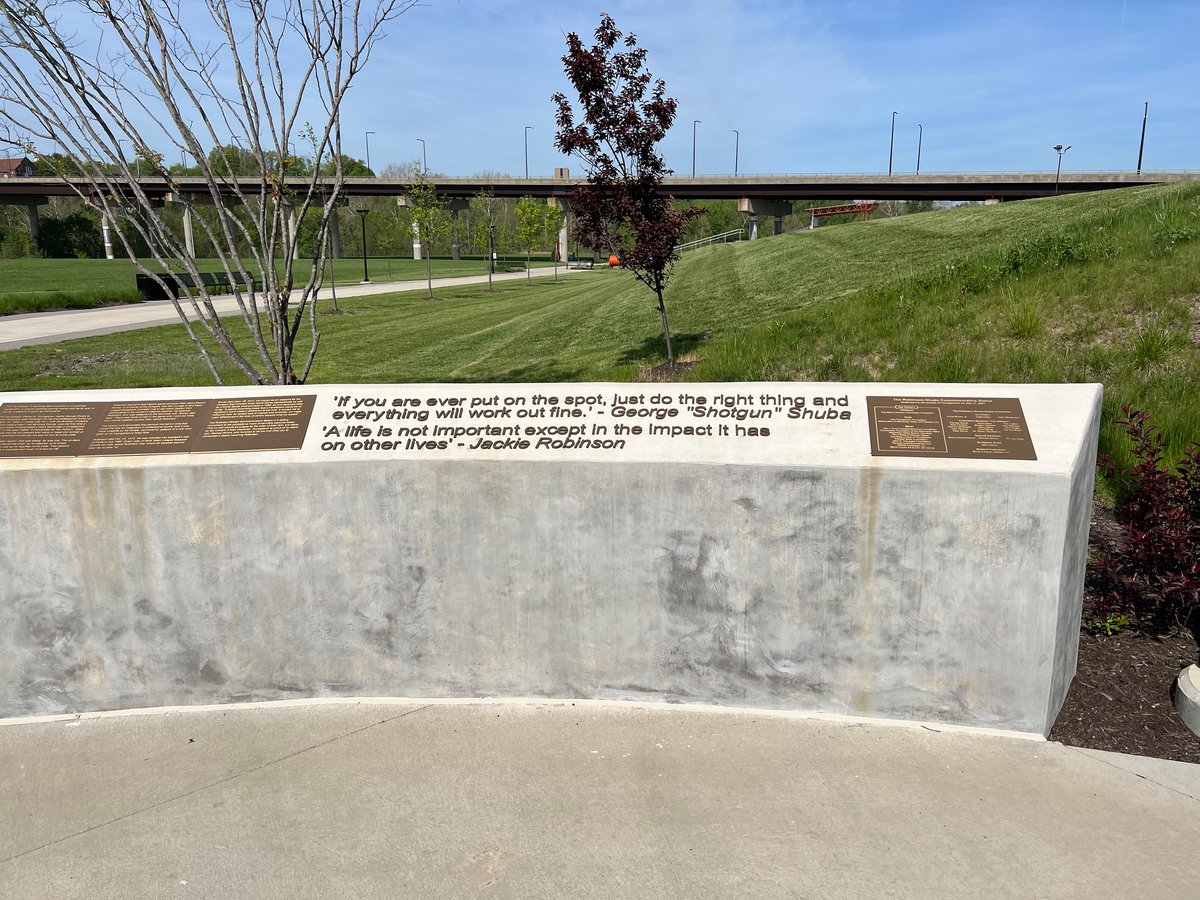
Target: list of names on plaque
949 427
133 427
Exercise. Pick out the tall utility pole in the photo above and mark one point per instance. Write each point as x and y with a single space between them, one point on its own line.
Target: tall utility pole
424 161
1060 149
736 140
920 138
891 143
1142 145
695 122
368 136
527 127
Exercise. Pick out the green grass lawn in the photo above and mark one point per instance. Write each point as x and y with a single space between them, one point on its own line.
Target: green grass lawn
31 285
1101 287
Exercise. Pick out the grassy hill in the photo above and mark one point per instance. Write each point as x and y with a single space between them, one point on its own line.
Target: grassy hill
1102 287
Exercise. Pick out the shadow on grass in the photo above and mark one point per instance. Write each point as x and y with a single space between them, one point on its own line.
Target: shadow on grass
550 370
655 348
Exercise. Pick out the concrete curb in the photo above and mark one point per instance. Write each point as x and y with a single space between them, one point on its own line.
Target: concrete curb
532 703
1187 697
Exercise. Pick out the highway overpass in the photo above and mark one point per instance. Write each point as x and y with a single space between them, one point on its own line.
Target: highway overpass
932 186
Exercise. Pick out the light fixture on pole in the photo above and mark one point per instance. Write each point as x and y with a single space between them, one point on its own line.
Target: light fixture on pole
891 143
920 138
1060 149
527 127
424 161
695 122
736 140
368 137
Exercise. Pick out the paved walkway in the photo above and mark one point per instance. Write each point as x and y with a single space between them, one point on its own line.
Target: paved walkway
62 325
562 800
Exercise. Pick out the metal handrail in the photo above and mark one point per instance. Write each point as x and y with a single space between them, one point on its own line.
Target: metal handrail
723 238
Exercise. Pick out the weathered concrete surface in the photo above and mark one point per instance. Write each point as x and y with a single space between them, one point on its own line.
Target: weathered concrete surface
802 576
553 801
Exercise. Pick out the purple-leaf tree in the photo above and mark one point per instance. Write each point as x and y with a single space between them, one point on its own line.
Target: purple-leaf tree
622 208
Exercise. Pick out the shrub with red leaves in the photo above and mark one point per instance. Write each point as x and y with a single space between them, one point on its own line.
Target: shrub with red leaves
1154 575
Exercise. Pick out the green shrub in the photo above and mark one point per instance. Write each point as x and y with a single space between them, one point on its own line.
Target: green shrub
1154 575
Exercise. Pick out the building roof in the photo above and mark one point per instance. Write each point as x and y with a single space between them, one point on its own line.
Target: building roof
21 166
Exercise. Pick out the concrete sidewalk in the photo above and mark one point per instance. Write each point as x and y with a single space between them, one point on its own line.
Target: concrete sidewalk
61 325
555 799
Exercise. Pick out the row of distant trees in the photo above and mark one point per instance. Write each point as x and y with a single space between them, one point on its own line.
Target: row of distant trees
68 229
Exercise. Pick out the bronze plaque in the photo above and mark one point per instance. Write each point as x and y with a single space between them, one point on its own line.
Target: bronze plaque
131 427
949 427
255 423
47 429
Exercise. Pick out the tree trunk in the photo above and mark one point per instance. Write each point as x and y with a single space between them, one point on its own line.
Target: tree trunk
429 274
662 308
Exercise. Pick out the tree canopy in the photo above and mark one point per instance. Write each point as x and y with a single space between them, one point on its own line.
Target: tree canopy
624 114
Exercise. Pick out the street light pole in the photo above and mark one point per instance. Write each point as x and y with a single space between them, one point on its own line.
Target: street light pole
695 122
1060 149
736 140
920 138
424 161
527 127
368 137
891 143
1142 144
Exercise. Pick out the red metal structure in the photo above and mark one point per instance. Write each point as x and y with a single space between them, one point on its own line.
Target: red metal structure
818 212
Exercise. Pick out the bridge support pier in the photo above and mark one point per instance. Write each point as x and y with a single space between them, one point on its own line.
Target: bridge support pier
189 237
293 231
335 235
564 232
756 206
34 223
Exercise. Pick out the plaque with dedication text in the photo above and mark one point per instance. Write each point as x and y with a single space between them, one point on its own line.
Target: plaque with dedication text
137 427
949 427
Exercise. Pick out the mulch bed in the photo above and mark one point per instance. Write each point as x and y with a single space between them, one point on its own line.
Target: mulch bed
1122 698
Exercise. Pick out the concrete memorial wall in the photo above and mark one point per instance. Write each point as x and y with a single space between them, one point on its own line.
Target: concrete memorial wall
888 550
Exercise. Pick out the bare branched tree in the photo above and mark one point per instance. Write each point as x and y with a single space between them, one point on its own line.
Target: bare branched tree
206 78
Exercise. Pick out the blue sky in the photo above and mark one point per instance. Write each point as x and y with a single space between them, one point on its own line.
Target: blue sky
810 86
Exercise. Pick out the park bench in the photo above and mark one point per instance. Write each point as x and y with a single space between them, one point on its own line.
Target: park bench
176 282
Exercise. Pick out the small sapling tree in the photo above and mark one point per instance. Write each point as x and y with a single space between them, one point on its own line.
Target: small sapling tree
484 204
624 115
429 215
531 226
104 80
